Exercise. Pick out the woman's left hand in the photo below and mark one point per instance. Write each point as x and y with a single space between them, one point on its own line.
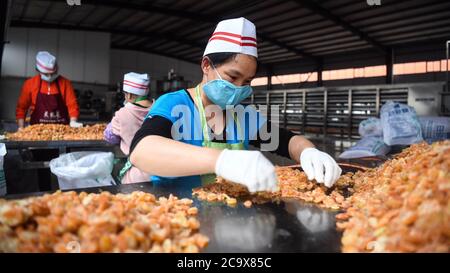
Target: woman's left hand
320 166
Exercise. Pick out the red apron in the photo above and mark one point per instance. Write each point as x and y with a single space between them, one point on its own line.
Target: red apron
49 108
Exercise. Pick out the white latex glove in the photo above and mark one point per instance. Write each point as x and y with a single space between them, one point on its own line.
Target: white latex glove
75 124
320 166
249 168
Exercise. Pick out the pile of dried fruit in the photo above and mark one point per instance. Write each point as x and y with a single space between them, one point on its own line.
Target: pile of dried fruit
292 183
295 184
71 222
228 192
52 132
403 205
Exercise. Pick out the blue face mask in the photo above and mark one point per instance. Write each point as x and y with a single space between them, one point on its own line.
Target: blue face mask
223 93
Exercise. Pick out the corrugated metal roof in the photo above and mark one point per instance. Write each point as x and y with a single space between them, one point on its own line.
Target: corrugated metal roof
287 30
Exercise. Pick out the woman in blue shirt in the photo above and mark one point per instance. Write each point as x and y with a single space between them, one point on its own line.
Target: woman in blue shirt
187 140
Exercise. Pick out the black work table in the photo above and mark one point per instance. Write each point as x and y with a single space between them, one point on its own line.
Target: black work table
28 157
61 145
286 227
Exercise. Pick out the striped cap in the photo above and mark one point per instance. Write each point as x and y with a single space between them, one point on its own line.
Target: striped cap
45 62
233 35
135 83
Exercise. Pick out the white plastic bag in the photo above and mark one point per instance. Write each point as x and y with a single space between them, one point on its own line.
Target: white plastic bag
83 169
370 127
400 124
368 146
2 172
435 128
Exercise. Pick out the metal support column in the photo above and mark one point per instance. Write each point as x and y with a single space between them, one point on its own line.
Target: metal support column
269 77
325 112
350 102
319 73
377 101
390 66
447 66
268 106
4 8
284 110
304 114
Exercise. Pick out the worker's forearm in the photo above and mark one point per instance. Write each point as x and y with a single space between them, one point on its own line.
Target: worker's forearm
296 146
21 123
166 157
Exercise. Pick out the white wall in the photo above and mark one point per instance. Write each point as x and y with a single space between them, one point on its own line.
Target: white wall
81 56
124 61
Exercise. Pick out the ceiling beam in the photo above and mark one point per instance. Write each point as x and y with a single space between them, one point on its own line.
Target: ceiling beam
24 10
152 51
88 14
194 16
120 32
66 14
317 9
47 11
153 35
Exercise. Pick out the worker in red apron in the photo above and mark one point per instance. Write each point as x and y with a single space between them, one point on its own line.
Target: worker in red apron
50 98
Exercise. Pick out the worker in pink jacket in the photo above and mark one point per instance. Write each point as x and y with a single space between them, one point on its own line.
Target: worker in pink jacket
128 120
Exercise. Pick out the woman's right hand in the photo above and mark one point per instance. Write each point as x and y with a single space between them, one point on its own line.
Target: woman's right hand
249 168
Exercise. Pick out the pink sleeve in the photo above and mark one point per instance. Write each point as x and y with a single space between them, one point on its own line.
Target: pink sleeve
115 123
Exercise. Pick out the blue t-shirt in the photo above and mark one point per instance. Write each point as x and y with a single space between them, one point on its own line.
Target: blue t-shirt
179 108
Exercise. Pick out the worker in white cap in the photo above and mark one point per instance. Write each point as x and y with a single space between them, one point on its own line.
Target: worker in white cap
128 120
49 97
205 147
